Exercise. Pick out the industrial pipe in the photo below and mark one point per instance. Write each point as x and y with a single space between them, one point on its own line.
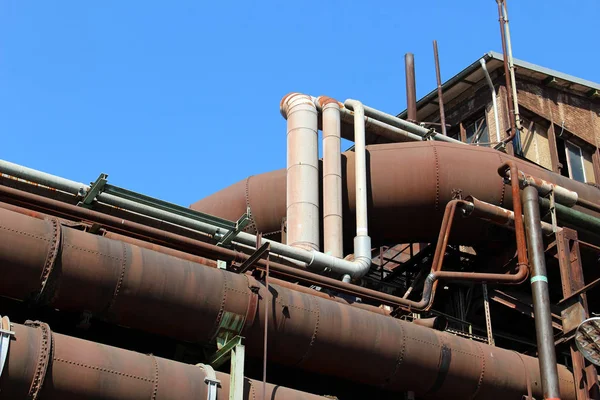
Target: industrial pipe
47 365
440 91
511 66
302 198
512 168
362 240
573 218
130 286
408 182
509 101
541 296
333 229
494 100
405 125
411 87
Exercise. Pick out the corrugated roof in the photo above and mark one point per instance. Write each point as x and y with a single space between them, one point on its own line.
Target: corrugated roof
471 75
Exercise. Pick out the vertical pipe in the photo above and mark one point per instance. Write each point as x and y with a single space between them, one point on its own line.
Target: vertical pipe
511 67
494 103
509 100
541 297
411 87
439 87
333 239
362 241
302 197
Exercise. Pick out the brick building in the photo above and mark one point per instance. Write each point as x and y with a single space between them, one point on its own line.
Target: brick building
560 115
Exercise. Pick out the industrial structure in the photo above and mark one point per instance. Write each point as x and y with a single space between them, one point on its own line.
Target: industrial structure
452 252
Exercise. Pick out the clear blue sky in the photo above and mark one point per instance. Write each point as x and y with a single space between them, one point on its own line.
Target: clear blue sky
178 99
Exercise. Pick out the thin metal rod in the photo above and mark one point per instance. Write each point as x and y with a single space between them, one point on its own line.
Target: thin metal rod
266 329
439 87
541 296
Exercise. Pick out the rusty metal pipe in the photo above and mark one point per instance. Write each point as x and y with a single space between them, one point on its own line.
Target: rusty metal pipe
411 86
541 295
510 166
47 365
130 286
438 76
498 215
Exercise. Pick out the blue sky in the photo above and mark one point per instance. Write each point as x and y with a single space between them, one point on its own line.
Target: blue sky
178 99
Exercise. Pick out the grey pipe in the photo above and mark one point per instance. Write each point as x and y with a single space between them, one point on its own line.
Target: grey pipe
494 100
405 125
541 297
511 66
379 128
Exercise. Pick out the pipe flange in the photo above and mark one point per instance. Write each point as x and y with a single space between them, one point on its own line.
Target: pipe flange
45 355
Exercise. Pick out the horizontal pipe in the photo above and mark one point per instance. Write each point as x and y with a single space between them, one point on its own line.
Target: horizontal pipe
407 183
47 365
497 215
573 218
405 125
480 209
130 286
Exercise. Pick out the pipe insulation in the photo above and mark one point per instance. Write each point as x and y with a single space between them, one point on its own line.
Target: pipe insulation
139 288
302 204
47 365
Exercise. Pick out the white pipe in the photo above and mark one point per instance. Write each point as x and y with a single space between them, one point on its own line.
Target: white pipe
302 198
511 66
494 101
362 241
333 239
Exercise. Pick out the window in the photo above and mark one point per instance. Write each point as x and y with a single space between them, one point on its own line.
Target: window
477 131
575 162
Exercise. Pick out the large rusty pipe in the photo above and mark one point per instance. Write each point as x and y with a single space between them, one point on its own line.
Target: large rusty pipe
333 228
302 198
477 208
47 365
408 182
130 286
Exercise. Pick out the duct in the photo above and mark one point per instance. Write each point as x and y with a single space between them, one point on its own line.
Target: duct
131 286
418 130
473 208
408 182
494 100
541 295
333 229
302 199
47 365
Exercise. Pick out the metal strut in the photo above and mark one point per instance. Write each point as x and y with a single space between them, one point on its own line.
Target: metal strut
5 336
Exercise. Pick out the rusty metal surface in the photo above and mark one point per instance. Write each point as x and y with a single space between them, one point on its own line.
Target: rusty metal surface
411 87
144 289
79 369
408 182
